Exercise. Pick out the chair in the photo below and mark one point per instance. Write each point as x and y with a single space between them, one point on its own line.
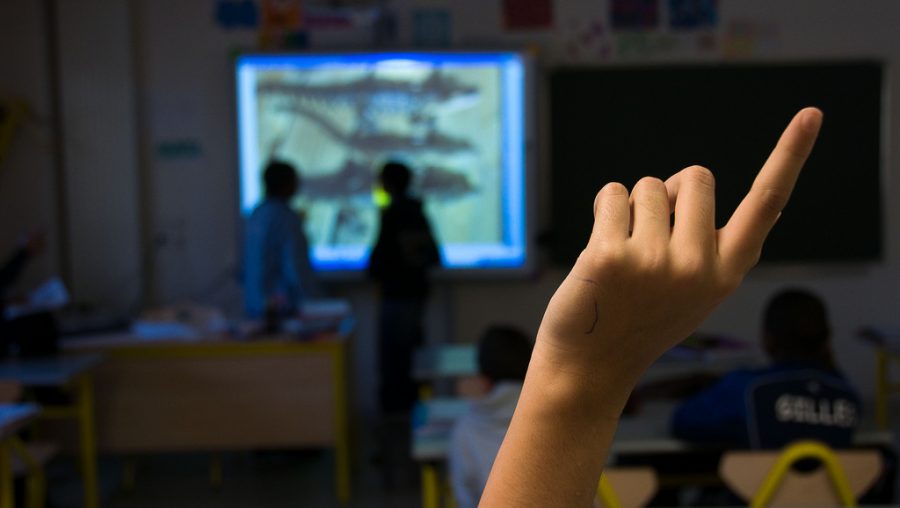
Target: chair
626 487
28 459
768 478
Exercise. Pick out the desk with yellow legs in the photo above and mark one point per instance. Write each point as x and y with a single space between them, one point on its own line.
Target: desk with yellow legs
219 394
75 375
13 417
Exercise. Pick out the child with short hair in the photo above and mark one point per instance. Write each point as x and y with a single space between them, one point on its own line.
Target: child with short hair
503 356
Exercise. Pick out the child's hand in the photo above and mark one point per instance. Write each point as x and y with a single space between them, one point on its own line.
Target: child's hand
638 288
642 285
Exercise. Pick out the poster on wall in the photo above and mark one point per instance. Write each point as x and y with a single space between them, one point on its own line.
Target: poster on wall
281 22
587 40
634 14
744 38
527 14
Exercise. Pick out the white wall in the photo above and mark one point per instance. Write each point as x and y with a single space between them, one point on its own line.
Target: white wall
185 89
100 150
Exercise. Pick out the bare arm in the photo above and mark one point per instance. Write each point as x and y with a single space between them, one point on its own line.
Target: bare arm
638 288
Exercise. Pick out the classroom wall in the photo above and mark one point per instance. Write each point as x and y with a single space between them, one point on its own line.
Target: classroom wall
184 118
187 70
88 203
27 177
100 152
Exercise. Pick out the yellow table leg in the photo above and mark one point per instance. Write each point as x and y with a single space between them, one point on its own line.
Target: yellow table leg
36 482
7 496
342 434
430 487
882 387
88 442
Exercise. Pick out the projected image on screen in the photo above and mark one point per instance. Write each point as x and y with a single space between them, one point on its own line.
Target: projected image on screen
455 119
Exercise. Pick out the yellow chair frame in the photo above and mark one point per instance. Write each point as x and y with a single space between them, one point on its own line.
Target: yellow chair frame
797 452
606 493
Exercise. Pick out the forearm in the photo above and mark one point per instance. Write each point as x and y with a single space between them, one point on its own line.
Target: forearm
561 412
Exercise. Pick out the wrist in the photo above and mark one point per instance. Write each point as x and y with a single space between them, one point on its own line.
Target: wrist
595 387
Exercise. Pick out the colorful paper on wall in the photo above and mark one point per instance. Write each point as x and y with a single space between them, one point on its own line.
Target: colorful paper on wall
329 19
432 28
281 24
744 38
527 14
634 14
693 14
588 40
281 16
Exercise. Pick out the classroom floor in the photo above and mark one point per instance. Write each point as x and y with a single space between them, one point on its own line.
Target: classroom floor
250 480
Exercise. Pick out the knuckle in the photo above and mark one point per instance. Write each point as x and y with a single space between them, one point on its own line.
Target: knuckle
611 189
604 256
772 200
614 189
701 175
692 266
653 260
649 184
651 195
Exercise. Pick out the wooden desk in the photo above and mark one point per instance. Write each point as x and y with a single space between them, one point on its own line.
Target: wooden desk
218 394
13 417
73 373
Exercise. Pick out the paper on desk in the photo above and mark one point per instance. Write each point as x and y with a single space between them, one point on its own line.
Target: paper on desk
50 295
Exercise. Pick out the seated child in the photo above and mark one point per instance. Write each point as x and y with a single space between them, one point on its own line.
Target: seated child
797 339
503 355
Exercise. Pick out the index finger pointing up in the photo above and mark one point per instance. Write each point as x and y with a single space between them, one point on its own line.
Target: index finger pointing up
741 240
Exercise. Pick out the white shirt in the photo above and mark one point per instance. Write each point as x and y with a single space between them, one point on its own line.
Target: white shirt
476 439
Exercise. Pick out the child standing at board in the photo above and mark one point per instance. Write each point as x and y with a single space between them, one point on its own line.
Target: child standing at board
277 273
401 258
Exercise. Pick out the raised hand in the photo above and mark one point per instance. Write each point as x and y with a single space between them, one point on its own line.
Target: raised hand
639 287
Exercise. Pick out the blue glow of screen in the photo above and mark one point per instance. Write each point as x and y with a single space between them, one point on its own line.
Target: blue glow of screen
494 170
